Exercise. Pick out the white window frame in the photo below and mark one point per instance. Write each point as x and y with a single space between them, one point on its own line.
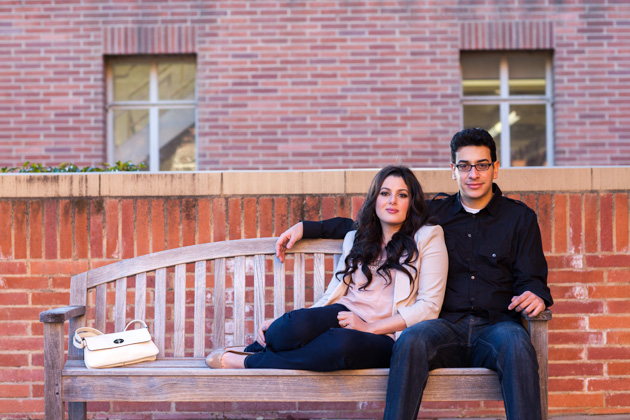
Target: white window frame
153 104
504 100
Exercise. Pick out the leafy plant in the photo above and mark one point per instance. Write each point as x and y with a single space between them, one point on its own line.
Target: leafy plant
119 166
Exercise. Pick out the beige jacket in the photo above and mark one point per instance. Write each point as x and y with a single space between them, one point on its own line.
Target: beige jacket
419 301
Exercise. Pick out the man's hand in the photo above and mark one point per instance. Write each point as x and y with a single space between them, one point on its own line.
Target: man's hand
288 239
527 303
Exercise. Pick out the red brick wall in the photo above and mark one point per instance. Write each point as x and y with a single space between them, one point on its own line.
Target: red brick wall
586 239
296 84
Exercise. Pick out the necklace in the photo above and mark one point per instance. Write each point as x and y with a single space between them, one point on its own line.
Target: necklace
374 266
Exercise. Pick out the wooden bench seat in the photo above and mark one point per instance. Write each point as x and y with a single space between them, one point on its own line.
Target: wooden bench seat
191 380
209 295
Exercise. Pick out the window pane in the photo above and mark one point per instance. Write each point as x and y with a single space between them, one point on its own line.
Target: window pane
527 73
177 81
177 140
486 117
528 135
131 136
480 74
131 82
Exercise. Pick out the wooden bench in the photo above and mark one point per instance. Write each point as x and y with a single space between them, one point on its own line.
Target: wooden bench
198 297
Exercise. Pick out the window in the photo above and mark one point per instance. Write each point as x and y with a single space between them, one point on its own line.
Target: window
510 95
151 112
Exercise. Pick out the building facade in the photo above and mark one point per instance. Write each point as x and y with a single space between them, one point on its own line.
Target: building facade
240 85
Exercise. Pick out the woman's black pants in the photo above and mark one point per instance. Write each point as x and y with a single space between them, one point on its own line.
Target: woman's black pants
312 339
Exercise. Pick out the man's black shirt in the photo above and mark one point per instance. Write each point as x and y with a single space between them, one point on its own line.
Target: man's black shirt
493 255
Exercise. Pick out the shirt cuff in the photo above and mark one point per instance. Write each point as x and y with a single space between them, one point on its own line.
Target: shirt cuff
311 230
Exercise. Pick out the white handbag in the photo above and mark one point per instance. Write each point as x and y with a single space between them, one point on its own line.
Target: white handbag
116 349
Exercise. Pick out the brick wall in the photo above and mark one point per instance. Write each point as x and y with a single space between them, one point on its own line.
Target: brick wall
296 84
44 240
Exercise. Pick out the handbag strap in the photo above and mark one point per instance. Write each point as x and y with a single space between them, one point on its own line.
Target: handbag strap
134 321
80 333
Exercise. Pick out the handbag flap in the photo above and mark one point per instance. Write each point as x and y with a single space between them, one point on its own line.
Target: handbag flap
119 339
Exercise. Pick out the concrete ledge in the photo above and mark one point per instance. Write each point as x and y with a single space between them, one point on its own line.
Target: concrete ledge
293 182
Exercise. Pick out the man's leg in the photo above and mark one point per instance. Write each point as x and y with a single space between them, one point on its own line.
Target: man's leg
420 348
506 348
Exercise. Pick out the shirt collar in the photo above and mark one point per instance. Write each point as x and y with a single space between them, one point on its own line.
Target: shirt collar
492 207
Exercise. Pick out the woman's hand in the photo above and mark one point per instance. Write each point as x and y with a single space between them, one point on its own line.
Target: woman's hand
288 239
350 321
260 334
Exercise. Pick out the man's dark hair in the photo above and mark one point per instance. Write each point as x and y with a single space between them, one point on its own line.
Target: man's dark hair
473 137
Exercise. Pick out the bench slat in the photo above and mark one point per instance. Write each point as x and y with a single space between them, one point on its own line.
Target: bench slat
218 321
140 311
100 303
179 315
159 326
78 297
239 300
120 305
298 281
319 276
199 345
279 284
259 291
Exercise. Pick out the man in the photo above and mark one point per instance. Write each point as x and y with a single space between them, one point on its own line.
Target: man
496 271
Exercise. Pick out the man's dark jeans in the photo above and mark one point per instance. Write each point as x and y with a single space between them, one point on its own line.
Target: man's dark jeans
472 341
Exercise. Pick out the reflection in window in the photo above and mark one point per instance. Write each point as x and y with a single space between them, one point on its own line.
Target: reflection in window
480 74
131 81
527 143
177 140
509 95
176 81
131 136
152 111
486 117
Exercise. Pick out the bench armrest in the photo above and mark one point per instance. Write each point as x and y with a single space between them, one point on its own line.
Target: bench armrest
543 316
61 314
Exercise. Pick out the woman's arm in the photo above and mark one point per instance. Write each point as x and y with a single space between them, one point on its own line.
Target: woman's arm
433 271
382 326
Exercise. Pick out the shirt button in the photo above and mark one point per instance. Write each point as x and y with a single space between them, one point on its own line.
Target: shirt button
494 255
472 277
469 235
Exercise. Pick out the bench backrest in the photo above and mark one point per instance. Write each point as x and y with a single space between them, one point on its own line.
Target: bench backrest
177 291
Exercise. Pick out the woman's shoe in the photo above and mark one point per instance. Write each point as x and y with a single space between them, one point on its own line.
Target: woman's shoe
214 358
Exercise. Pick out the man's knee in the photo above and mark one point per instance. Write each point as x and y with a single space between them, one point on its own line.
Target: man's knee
418 336
512 341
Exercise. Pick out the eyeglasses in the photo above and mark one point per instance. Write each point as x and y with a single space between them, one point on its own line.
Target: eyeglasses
480 167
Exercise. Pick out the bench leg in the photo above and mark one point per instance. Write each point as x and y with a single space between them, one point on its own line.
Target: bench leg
538 334
77 411
53 363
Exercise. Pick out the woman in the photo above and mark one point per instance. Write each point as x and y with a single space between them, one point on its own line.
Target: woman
392 274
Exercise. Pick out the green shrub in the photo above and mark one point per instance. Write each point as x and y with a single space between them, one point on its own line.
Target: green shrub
119 166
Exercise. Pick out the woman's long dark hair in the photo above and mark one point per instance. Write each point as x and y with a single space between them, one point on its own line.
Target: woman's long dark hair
368 239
